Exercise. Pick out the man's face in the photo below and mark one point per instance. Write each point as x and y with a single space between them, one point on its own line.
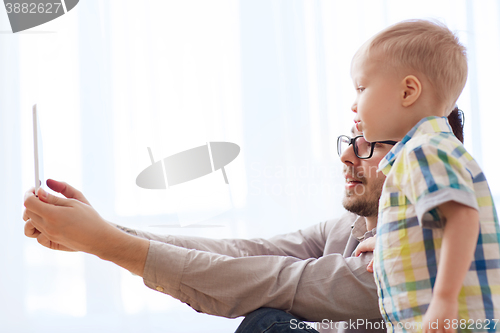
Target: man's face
377 96
363 183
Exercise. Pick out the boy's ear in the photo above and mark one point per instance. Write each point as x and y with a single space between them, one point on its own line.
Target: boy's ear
412 88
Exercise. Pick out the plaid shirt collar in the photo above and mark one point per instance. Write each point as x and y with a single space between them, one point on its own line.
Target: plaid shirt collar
427 125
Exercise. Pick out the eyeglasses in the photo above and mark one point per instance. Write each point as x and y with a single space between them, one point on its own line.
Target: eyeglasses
362 148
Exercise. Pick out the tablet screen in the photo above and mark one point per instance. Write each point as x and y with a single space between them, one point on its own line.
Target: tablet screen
37 137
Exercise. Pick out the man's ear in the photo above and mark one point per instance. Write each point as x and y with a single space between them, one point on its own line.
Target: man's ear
412 88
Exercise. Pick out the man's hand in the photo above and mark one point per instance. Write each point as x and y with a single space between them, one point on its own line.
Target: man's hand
440 315
71 224
368 245
65 223
30 230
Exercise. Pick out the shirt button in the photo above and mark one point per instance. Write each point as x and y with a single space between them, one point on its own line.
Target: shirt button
160 289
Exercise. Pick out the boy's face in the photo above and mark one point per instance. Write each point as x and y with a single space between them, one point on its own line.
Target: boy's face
378 95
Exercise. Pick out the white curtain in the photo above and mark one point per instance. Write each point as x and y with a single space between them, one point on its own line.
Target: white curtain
112 78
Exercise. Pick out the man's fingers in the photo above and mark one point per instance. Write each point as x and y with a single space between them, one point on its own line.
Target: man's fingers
362 247
369 268
52 199
25 215
34 205
43 240
29 193
67 190
358 250
39 205
35 221
368 245
30 230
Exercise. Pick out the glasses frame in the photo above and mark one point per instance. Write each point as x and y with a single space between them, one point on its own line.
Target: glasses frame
352 141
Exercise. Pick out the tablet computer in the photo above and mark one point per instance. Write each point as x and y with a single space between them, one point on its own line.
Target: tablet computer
37 145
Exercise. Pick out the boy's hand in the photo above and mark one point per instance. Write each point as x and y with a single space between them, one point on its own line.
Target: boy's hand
368 245
439 316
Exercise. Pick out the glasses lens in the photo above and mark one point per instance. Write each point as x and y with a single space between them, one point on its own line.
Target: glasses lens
363 148
343 144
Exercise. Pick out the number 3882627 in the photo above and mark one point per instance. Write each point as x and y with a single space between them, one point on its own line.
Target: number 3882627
33 8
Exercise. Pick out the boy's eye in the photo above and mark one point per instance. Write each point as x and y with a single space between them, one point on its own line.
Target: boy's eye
360 89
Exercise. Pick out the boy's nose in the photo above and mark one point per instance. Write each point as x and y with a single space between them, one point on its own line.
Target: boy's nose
354 107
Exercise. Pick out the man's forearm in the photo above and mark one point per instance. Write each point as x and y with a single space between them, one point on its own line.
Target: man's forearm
125 250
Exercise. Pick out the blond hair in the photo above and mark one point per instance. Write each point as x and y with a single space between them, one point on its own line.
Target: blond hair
430 48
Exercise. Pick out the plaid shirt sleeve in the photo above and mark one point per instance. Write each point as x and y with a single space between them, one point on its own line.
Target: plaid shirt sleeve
432 175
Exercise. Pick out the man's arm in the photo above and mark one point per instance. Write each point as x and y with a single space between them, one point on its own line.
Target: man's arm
331 287
302 244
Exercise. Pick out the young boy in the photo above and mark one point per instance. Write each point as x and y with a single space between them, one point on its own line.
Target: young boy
437 253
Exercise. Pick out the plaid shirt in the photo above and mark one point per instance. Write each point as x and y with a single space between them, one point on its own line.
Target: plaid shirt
426 169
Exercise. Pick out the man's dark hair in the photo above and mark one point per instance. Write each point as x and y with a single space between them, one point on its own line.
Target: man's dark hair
456 120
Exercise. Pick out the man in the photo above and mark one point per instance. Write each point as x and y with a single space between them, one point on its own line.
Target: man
309 273
362 192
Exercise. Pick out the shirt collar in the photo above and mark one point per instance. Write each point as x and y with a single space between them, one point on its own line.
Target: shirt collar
359 229
428 125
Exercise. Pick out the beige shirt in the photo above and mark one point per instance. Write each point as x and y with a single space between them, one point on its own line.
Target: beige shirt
309 273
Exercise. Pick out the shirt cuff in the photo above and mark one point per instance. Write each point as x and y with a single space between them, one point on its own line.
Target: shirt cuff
164 268
428 217
141 234
125 229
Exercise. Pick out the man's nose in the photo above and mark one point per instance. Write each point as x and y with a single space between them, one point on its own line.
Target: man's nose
348 157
